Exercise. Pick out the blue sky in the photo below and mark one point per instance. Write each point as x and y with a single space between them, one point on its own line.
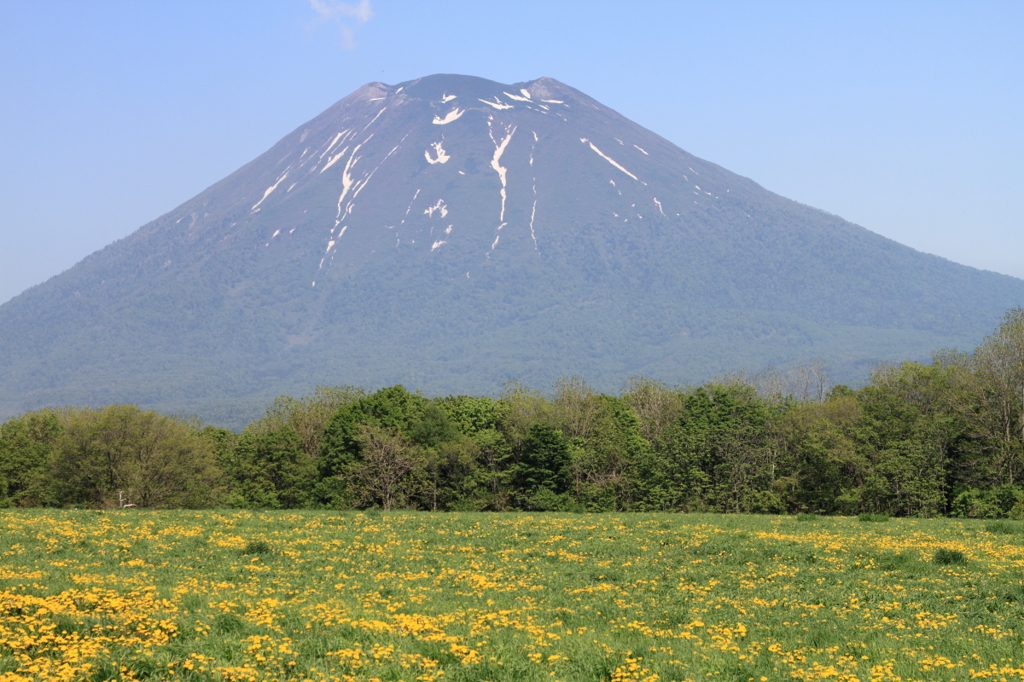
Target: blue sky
904 117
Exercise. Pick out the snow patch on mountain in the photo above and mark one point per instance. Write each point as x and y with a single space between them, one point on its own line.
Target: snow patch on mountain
411 202
374 118
333 142
440 207
269 190
497 103
452 115
331 161
346 178
439 154
499 149
497 237
533 214
608 158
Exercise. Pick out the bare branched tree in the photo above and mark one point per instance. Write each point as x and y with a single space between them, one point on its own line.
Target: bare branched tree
524 407
388 459
655 405
809 382
805 383
576 406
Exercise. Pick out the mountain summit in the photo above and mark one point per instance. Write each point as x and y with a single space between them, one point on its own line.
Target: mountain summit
452 233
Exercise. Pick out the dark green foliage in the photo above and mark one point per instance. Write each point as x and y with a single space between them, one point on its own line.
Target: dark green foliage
542 473
909 434
270 471
825 467
719 455
393 409
948 557
452 477
256 547
1001 501
27 450
390 408
986 394
609 465
433 427
307 416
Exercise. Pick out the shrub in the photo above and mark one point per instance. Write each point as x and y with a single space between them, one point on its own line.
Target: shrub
256 547
949 557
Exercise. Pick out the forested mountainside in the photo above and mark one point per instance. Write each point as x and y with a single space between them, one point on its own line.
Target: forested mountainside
919 439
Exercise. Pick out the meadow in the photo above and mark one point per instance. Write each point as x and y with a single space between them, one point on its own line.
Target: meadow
311 595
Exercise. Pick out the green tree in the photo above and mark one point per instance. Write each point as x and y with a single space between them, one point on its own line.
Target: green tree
433 427
988 395
719 455
607 465
521 409
575 407
484 421
542 475
27 447
270 471
909 434
825 468
451 477
121 452
393 409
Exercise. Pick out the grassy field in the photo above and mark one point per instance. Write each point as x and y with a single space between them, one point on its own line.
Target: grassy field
415 596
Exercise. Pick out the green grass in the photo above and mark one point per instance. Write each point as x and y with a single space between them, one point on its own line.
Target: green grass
1003 527
417 596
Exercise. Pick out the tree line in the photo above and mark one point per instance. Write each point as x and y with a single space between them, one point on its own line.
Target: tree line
945 438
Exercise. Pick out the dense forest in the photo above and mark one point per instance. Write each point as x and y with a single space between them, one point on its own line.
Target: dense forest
945 438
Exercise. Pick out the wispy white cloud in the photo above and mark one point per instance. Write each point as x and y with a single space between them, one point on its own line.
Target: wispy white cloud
346 16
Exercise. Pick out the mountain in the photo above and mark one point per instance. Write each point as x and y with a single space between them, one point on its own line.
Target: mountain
452 233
